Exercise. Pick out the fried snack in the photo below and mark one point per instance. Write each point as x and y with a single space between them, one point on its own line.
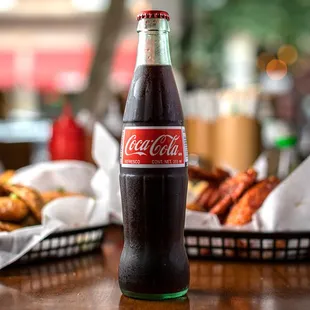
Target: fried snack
205 194
30 196
29 220
236 185
217 175
5 226
52 195
195 207
222 206
12 209
250 202
209 197
6 176
232 189
197 190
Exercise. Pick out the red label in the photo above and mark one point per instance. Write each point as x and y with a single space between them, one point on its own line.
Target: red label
154 147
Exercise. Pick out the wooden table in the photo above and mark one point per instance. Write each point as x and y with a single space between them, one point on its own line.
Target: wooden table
90 282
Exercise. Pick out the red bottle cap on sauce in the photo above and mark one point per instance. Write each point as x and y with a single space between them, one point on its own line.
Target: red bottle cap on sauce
66 122
68 138
153 14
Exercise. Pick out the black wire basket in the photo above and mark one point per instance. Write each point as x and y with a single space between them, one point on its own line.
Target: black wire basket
247 246
66 244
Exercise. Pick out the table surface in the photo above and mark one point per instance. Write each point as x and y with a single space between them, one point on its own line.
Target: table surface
90 282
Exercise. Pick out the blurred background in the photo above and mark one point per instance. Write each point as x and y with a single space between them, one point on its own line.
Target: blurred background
242 68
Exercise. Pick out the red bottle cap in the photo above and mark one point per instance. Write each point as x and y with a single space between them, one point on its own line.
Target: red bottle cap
66 123
68 138
153 14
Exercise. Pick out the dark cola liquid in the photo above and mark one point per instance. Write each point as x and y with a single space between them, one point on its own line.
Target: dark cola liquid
154 259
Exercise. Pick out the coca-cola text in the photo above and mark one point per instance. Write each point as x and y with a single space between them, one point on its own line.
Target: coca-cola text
153 146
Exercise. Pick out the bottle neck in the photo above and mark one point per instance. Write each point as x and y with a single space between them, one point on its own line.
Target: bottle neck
153 47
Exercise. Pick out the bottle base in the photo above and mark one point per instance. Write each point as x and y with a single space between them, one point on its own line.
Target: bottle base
154 296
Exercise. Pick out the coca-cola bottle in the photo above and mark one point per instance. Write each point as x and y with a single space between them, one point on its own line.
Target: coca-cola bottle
153 172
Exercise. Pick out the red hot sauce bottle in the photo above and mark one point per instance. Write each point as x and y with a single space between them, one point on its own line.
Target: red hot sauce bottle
68 138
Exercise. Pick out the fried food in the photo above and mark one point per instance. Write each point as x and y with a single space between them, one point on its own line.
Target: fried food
209 197
205 195
5 226
21 206
52 195
30 196
236 185
232 189
222 206
29 220
250 202
12 209
217 175
197 191
6 176
195 207
199 188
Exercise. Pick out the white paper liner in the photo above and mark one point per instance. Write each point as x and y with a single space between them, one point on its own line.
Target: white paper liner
73 176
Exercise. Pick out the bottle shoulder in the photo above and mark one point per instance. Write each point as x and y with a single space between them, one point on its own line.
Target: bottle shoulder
153 97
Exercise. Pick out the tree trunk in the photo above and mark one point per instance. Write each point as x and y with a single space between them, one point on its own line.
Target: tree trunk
97 95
